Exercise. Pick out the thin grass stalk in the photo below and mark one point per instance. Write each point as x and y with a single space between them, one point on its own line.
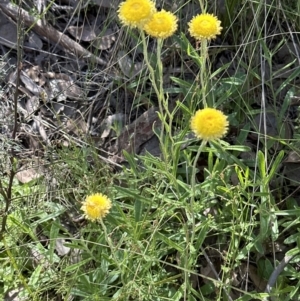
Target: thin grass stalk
157 83
190 239
7 192
17 270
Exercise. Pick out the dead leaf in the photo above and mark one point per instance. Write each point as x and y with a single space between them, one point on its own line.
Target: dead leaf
105 41
78 126
271 124
136 134
36 75
60 247
128 66
287 53
106 125
33 41
13 294
62 89
207 272
38 121
292 173
152 146
57 109
251 270
85 33
293 157
295 100
9 35
29 174
31 105
30 84
279 129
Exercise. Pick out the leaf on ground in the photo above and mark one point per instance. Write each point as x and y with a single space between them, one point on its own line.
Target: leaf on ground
105 41
9 35
293 157
30 85
207 272
84 33
35 73
76 125
251 270
13 294
287 53
127 65
27 175
107 124
135 134
292 173
33 41
32 104
152 146
61 89
60 247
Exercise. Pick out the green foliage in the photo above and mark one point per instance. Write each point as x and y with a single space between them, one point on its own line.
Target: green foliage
174 218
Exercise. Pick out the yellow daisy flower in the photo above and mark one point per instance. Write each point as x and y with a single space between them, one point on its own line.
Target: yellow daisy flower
209 124
205 26
136 13
96 206
162 25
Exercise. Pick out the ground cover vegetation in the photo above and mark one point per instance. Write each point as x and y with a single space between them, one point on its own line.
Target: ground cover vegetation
149 150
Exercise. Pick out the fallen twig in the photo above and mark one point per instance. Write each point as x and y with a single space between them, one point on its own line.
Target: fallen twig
44 29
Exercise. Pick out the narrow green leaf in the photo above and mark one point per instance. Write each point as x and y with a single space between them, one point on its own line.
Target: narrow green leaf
22 226
77 265
293 252
127 192
200 237
36 275
261 165
53 236
275 166
169 242
138 210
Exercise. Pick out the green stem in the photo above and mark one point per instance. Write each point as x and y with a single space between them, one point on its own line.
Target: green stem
152 73
157 84
161 96
202 6
193 186
190 238
203 83
113 250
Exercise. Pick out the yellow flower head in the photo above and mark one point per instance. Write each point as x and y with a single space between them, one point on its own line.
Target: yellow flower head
136 13
205 26
162 25
96 206
209 124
